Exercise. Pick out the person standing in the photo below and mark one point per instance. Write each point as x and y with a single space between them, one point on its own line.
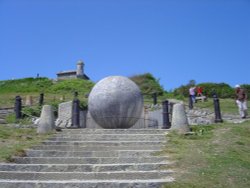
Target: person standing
199 91
192 93
241 100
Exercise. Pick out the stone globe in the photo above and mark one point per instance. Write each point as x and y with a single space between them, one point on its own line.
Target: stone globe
115 102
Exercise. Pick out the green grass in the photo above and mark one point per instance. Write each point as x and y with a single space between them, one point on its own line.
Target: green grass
54 92
13 141
226 105
215 156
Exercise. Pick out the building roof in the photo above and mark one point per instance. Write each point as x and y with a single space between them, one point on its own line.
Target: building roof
67 72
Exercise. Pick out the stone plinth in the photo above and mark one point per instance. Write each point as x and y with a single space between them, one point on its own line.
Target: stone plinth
179 119
47 120
29 100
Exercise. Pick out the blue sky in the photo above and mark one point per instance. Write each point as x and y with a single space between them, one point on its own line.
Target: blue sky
175 40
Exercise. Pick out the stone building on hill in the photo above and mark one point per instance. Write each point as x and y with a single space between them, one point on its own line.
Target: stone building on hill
72 74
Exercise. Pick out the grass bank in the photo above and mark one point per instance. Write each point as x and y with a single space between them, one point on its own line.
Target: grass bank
227 106
13 141
215 156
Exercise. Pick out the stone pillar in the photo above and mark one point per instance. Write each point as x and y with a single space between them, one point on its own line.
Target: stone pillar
46 123
83 118
41 98
29 100
165 115
76 113
190 104
146 118
217 112
179 119
18 107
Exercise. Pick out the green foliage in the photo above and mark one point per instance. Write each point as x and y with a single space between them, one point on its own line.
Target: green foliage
148 84
246 87
223 90
32 111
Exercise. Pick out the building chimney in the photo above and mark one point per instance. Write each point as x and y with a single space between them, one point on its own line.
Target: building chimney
80 70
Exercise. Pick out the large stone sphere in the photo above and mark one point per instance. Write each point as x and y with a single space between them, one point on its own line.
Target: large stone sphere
115 102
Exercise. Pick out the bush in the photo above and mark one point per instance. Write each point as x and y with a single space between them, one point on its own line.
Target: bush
148 84
223 90
32 111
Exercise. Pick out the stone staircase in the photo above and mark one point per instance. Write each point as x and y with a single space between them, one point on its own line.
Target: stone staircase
98 158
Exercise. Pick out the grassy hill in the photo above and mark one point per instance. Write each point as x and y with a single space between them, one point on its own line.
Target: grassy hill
57 91
214 156
53 91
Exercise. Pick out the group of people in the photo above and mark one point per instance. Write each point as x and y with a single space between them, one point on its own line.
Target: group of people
195 90
240 98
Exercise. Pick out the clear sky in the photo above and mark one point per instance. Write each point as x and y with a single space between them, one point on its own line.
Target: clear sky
175 40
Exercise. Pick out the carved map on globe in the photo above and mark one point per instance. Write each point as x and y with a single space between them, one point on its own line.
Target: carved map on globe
115 102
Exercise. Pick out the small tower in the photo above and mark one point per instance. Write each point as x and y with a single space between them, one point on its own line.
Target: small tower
80 69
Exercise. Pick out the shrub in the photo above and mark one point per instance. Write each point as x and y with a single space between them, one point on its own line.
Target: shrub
148 84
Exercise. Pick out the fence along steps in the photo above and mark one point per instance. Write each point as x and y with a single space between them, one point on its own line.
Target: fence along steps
92 158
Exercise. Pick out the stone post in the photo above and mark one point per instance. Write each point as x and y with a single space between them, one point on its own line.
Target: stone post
29 100
83 118
146 119
76 112
46 123
217 112
190 102
41 98
179 119
165 115
18 107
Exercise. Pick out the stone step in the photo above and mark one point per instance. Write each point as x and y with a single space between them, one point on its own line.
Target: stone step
112 131
149 183
88 160
104 143
130 175
111 137
83 167
113 158
96 147
115 153
107 135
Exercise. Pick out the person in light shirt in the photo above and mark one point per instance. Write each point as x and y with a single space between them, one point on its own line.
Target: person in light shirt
192 93
241 100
